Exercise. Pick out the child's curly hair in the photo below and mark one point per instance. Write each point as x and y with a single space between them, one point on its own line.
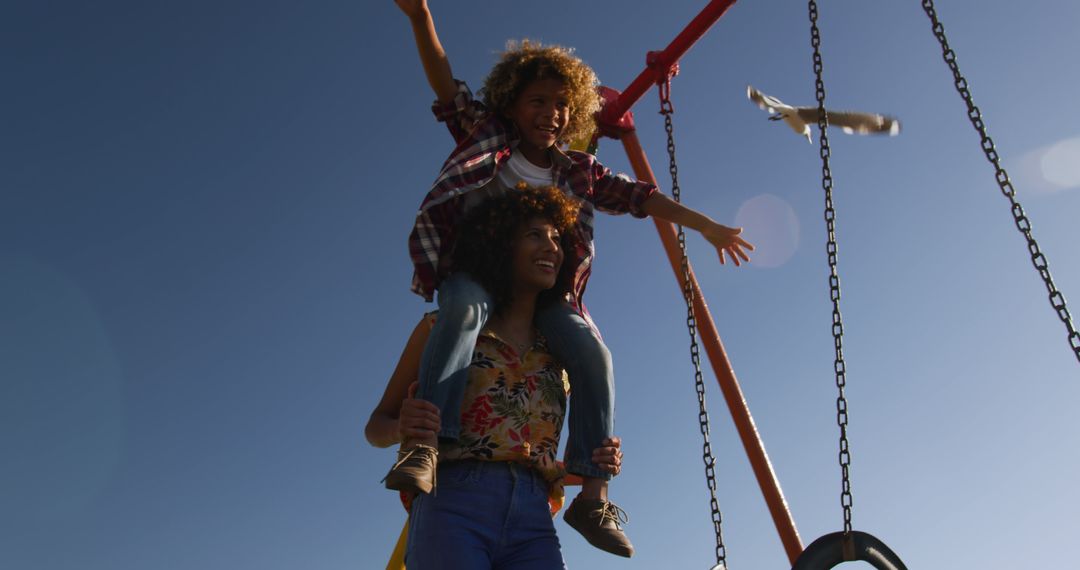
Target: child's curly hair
485 244
525 62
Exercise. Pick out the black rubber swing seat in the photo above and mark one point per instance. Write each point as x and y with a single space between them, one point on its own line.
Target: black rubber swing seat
836 548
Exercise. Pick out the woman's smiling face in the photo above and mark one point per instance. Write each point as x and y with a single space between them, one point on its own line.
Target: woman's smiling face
538 255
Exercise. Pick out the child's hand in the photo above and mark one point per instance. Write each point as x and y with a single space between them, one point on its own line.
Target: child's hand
726 239
609 455
418 419
412 8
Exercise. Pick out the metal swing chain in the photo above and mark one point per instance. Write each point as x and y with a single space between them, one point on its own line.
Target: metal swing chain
1057 300
666 109
834 278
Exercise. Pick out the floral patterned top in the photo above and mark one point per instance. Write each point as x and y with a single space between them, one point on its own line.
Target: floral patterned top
513 410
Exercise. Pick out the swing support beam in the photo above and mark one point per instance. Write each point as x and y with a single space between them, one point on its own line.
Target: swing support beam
616 121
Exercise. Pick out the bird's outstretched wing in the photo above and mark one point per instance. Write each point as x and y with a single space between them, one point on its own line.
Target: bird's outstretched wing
766 102
800 118
853 122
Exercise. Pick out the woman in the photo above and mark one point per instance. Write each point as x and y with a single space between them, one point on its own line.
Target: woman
499 482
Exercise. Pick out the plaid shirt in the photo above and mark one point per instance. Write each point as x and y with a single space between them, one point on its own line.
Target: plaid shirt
484 143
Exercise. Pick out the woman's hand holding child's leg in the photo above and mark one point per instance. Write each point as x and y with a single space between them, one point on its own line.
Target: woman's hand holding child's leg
597 519
418 424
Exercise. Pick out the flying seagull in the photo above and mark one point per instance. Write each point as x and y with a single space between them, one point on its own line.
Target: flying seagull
800 118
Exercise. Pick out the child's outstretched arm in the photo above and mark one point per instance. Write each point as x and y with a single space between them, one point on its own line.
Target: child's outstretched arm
723 238
432 56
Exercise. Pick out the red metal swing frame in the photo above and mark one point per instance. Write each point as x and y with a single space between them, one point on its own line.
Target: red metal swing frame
616 121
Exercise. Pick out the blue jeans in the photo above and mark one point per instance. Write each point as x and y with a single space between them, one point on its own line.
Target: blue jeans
485 516
464 308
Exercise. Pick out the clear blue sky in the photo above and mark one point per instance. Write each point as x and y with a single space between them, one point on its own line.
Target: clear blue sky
205 282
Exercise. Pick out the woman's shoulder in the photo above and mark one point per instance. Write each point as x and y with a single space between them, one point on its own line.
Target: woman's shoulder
429 319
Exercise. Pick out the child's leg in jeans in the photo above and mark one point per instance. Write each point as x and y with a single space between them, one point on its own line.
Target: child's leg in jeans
592 387
592 416
463 310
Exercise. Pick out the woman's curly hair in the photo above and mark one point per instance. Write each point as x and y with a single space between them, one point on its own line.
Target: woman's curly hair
525 62
485 243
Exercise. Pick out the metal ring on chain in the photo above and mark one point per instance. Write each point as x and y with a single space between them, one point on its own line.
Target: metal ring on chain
1023 224
666 109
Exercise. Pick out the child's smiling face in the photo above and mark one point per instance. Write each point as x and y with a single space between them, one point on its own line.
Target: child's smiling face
541 113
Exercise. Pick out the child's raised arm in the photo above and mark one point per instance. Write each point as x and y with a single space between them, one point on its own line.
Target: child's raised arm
432 56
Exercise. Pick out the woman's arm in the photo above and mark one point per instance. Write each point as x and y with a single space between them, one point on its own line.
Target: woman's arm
432 56
399 415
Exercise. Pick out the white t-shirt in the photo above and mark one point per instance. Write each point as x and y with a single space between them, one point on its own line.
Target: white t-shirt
519 169
516 169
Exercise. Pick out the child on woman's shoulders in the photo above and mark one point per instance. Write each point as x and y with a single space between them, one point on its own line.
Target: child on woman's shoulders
535 100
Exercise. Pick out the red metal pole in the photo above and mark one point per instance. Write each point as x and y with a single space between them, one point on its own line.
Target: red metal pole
662 62
615 120
725 376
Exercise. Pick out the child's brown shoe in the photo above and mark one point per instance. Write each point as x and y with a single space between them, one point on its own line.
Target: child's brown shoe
600 522
414 471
